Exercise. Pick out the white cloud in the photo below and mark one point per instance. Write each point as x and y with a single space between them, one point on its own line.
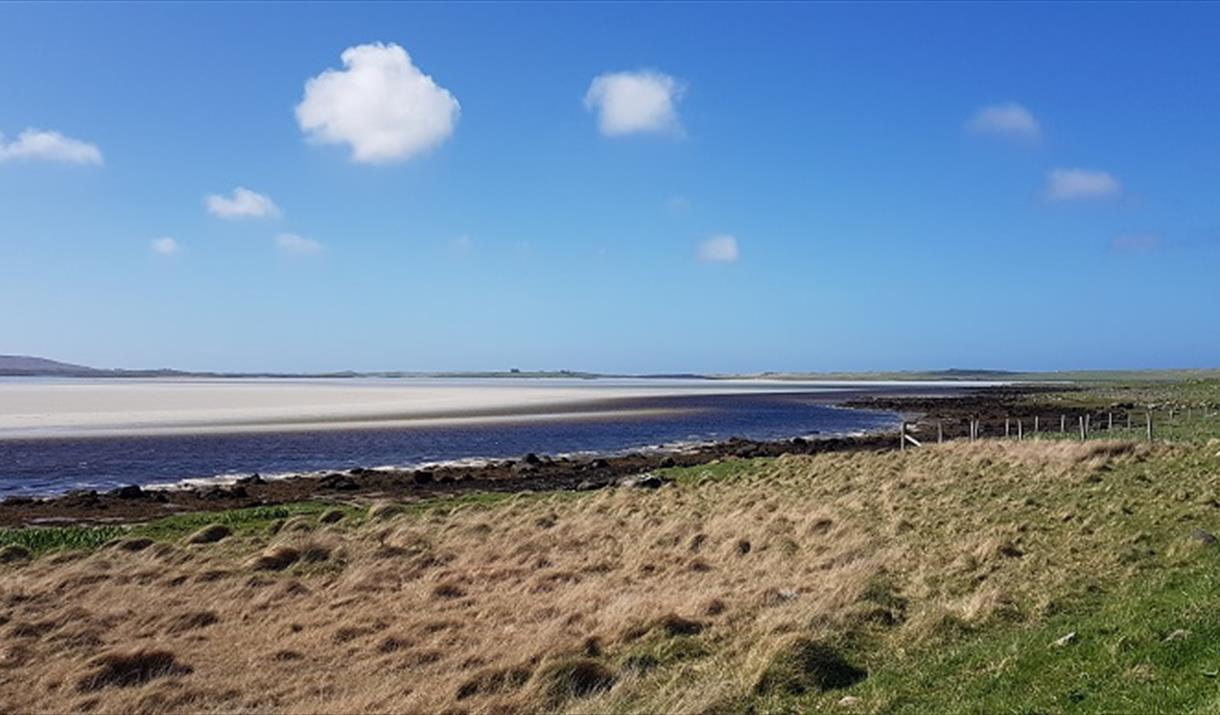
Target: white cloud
1076 184
382 105
39 145
721 248
1006 119
292 243
635 102
244 203
165 246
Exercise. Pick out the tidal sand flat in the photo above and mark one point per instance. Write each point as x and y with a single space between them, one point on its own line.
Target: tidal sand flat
63 435
73 407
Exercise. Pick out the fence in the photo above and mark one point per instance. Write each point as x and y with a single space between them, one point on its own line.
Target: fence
1149 423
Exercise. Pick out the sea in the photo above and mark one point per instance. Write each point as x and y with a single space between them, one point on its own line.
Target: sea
49 464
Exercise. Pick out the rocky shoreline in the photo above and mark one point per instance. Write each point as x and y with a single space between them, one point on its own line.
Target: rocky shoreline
530 473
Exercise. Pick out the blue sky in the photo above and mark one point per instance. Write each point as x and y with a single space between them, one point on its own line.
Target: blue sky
747 187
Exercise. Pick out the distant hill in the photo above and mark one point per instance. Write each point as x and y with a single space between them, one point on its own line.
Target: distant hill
26 365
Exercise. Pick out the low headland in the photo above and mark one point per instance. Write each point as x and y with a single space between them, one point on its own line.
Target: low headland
1048 573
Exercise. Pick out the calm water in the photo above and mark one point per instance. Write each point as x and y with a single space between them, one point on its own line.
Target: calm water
48 466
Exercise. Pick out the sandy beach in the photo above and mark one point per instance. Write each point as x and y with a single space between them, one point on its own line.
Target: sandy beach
76 407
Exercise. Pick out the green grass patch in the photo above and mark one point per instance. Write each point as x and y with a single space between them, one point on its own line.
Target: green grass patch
45 539
1150 646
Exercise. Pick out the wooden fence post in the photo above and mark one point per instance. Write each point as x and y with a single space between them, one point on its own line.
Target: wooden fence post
1006 431
902 437
1020 430
1035 424
1148 415
1109 420
1063 420
1128 419
1082 428
940 432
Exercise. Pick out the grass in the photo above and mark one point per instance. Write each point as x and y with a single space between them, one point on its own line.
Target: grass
1149 647
935 580
45 539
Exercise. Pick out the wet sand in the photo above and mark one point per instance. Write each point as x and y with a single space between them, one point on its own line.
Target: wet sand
114 407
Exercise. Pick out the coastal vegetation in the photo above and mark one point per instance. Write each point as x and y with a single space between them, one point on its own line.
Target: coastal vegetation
1043 575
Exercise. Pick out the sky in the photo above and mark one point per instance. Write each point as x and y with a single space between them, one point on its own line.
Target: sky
618 188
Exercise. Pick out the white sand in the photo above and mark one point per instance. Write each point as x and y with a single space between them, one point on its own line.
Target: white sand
78 407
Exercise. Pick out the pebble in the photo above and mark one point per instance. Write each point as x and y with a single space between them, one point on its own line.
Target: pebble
1066 640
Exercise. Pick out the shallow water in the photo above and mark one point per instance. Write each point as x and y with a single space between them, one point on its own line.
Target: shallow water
52 465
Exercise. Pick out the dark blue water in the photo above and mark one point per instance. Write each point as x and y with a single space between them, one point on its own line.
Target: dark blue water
53 465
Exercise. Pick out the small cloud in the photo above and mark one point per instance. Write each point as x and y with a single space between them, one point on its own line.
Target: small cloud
1079 184
244 203
721 248
1007 119
1137 243
635 103
40 145
677 204
292 243
381 105
165 246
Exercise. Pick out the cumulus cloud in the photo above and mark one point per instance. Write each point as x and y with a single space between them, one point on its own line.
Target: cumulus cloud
721 248
1006 119
635 102
381 105
292 243
1079 184
1137 243
244 203
165 246
40 145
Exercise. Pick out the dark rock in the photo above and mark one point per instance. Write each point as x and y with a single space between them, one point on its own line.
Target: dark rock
131 491
598 464
81 498
667 462
218 493
18 501
422 477
589 485
531 458
253 479
524 467
643 481
338 482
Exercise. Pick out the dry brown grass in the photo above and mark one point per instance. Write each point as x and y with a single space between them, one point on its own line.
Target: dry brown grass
679 599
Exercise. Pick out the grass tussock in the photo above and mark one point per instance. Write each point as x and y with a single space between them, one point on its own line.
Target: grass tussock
778 584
